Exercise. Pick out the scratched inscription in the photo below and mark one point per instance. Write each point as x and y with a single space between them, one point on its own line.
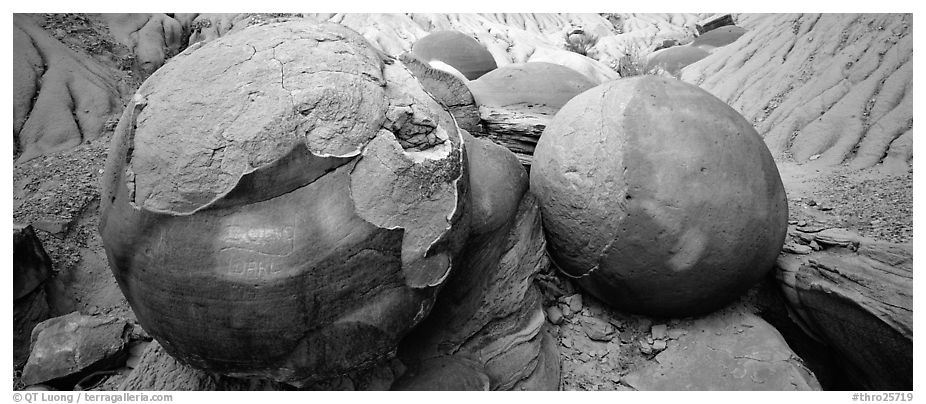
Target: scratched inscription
270 240
255 252
253 267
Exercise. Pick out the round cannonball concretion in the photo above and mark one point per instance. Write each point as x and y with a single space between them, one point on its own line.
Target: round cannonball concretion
458 50
536 83
657 197
283 203
676 58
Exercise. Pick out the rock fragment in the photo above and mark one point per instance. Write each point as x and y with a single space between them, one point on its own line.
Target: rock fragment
659 331
66 348
597 330
554 315
716 357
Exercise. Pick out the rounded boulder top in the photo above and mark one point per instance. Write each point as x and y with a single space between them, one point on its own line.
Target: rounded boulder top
458 50
538 83
657 197
675 58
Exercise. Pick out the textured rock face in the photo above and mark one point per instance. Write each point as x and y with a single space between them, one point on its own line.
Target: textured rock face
489 310
657 197
856 295
68 345
824 89
31 268
60 98
537 83
458 50
446 373
288 192
731 349
158 371
28 312
31 265
517 127
673 59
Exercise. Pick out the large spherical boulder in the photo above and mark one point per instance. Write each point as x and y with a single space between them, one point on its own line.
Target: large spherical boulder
283 203
657 197
458 50
537 83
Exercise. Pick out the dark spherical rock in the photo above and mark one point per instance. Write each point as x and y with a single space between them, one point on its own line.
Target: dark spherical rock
658 197
283 203
458 50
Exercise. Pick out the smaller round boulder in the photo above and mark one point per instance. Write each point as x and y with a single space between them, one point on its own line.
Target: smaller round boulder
458 50
674 59
657 197
537 83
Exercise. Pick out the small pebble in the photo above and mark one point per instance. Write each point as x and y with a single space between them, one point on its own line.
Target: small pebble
554 315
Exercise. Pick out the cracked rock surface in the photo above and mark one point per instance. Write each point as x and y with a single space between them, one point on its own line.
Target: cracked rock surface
255 188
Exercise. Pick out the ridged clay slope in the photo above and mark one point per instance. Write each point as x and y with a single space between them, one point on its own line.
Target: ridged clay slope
823 89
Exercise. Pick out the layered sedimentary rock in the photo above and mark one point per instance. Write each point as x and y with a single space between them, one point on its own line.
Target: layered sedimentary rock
657 197
516 102
445 373
490 311
60 98
855 295
316 186
517 127
824 89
